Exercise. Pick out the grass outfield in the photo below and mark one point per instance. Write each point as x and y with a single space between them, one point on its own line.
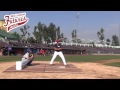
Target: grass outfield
69 58
116 64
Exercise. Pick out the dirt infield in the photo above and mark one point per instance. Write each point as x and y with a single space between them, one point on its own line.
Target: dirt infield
46 68
88 71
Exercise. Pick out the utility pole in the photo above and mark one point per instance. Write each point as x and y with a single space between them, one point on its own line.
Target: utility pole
77 23
77 19
119 34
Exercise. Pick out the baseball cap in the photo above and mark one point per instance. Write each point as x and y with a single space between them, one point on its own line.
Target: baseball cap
28 50
58 40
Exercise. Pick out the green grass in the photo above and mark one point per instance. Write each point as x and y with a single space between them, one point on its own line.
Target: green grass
69 58
116 64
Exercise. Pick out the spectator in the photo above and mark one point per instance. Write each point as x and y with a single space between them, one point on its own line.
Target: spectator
10 50
42 52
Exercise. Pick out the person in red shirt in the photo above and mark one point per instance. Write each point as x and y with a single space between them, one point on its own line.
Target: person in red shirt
42 52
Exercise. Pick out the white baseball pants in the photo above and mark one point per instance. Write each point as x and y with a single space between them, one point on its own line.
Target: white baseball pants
60 54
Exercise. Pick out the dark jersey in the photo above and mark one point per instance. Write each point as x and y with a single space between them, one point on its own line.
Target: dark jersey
58 46
10 48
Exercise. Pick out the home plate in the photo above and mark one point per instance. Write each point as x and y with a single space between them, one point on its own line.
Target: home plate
61 67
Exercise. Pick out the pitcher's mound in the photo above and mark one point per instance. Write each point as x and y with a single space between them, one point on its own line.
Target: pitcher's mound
47 68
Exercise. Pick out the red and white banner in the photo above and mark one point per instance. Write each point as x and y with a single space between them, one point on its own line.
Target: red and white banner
13 21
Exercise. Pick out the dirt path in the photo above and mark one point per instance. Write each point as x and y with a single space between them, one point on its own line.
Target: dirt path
89 71
108 61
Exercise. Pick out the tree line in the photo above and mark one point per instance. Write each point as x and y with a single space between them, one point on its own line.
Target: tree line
101 37
48 34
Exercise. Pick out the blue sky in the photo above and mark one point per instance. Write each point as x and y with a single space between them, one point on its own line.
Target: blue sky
88 24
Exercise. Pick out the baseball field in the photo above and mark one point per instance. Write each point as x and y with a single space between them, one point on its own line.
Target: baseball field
90 66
